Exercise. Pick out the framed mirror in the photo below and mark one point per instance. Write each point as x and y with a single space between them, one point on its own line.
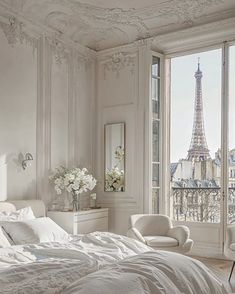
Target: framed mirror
114 171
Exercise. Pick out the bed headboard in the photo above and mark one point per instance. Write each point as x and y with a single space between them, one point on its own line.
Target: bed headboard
37 206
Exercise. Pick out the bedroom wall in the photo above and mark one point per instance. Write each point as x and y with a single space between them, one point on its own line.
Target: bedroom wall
46 108
121 88
59 114
72 116
18 99
72 96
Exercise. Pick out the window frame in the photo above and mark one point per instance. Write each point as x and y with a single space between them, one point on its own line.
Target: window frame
165 117
162 127
165 170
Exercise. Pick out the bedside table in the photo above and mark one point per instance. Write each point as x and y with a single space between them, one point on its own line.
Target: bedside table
81 222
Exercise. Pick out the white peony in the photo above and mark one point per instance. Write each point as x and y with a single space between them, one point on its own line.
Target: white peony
114 179
74 181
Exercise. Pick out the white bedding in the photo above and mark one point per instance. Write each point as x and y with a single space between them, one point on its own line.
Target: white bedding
101 263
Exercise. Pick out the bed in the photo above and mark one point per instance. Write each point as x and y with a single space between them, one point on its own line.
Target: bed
98 262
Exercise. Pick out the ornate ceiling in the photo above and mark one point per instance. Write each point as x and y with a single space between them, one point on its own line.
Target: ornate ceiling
102 24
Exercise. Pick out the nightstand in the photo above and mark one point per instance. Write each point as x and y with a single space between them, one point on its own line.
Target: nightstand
81 222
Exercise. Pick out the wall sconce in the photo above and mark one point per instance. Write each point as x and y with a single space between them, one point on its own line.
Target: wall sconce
27 160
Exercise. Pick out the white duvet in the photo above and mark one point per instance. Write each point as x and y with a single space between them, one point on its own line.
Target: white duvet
101 263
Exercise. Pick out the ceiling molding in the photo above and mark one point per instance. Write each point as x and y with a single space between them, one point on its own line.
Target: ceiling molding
194 38
104 25
22 30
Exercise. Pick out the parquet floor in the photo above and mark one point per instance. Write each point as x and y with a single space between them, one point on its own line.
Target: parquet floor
222 269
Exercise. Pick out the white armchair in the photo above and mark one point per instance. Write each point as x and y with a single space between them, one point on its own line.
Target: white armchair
229 248
156 231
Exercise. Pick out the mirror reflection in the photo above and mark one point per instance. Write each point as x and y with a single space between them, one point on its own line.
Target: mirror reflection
115 157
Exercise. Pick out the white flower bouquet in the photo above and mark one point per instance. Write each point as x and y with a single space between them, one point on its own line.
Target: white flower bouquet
114 180
74 181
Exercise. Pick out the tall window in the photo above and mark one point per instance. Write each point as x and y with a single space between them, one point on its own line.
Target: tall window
231 154
155 95
195 137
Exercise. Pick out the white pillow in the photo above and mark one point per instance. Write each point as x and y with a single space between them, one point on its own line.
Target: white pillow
22 214
35 231
3 239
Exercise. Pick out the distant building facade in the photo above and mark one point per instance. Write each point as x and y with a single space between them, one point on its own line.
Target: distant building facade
199 170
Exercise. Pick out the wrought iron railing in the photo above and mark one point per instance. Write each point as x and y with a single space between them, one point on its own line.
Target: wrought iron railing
201 204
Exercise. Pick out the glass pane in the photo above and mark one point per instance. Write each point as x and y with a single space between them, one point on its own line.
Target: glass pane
155 109
231 163
155 98
155 89
155 200
155 138
195 137
155 174
155 66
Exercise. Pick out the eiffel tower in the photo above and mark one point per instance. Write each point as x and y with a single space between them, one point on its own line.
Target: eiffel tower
198 150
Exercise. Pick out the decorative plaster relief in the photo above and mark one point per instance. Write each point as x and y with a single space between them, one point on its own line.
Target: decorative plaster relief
186 11
100 27
59 50
19 32
119 61
15 34
93 26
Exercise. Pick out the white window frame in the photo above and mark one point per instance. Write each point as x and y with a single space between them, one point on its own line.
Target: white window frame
162 128
165 171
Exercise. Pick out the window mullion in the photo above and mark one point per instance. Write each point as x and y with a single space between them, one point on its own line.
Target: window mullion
224 136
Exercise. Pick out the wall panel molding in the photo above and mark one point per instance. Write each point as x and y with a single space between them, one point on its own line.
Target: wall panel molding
71 108
119 100
43 119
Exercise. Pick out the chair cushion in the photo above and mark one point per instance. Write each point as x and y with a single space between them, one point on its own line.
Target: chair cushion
232 246
161 241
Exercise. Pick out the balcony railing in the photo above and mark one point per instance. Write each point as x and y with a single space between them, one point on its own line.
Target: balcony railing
201 204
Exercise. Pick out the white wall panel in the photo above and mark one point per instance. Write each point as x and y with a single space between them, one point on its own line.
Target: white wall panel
18 101
119 100
207 238
47 109
59 114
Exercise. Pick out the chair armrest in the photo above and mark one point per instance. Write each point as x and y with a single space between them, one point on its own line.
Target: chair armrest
230 235
135 234
180 233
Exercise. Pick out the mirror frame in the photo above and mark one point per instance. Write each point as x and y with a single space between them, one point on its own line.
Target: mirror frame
124 164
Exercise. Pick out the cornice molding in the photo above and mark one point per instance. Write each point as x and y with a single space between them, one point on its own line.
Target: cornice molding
195 37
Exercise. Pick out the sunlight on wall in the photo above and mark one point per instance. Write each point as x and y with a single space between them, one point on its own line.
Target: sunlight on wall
3 178
18 100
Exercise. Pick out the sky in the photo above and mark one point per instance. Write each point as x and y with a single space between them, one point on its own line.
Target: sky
183 96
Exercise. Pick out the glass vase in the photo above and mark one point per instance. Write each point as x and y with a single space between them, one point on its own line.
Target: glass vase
76 202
